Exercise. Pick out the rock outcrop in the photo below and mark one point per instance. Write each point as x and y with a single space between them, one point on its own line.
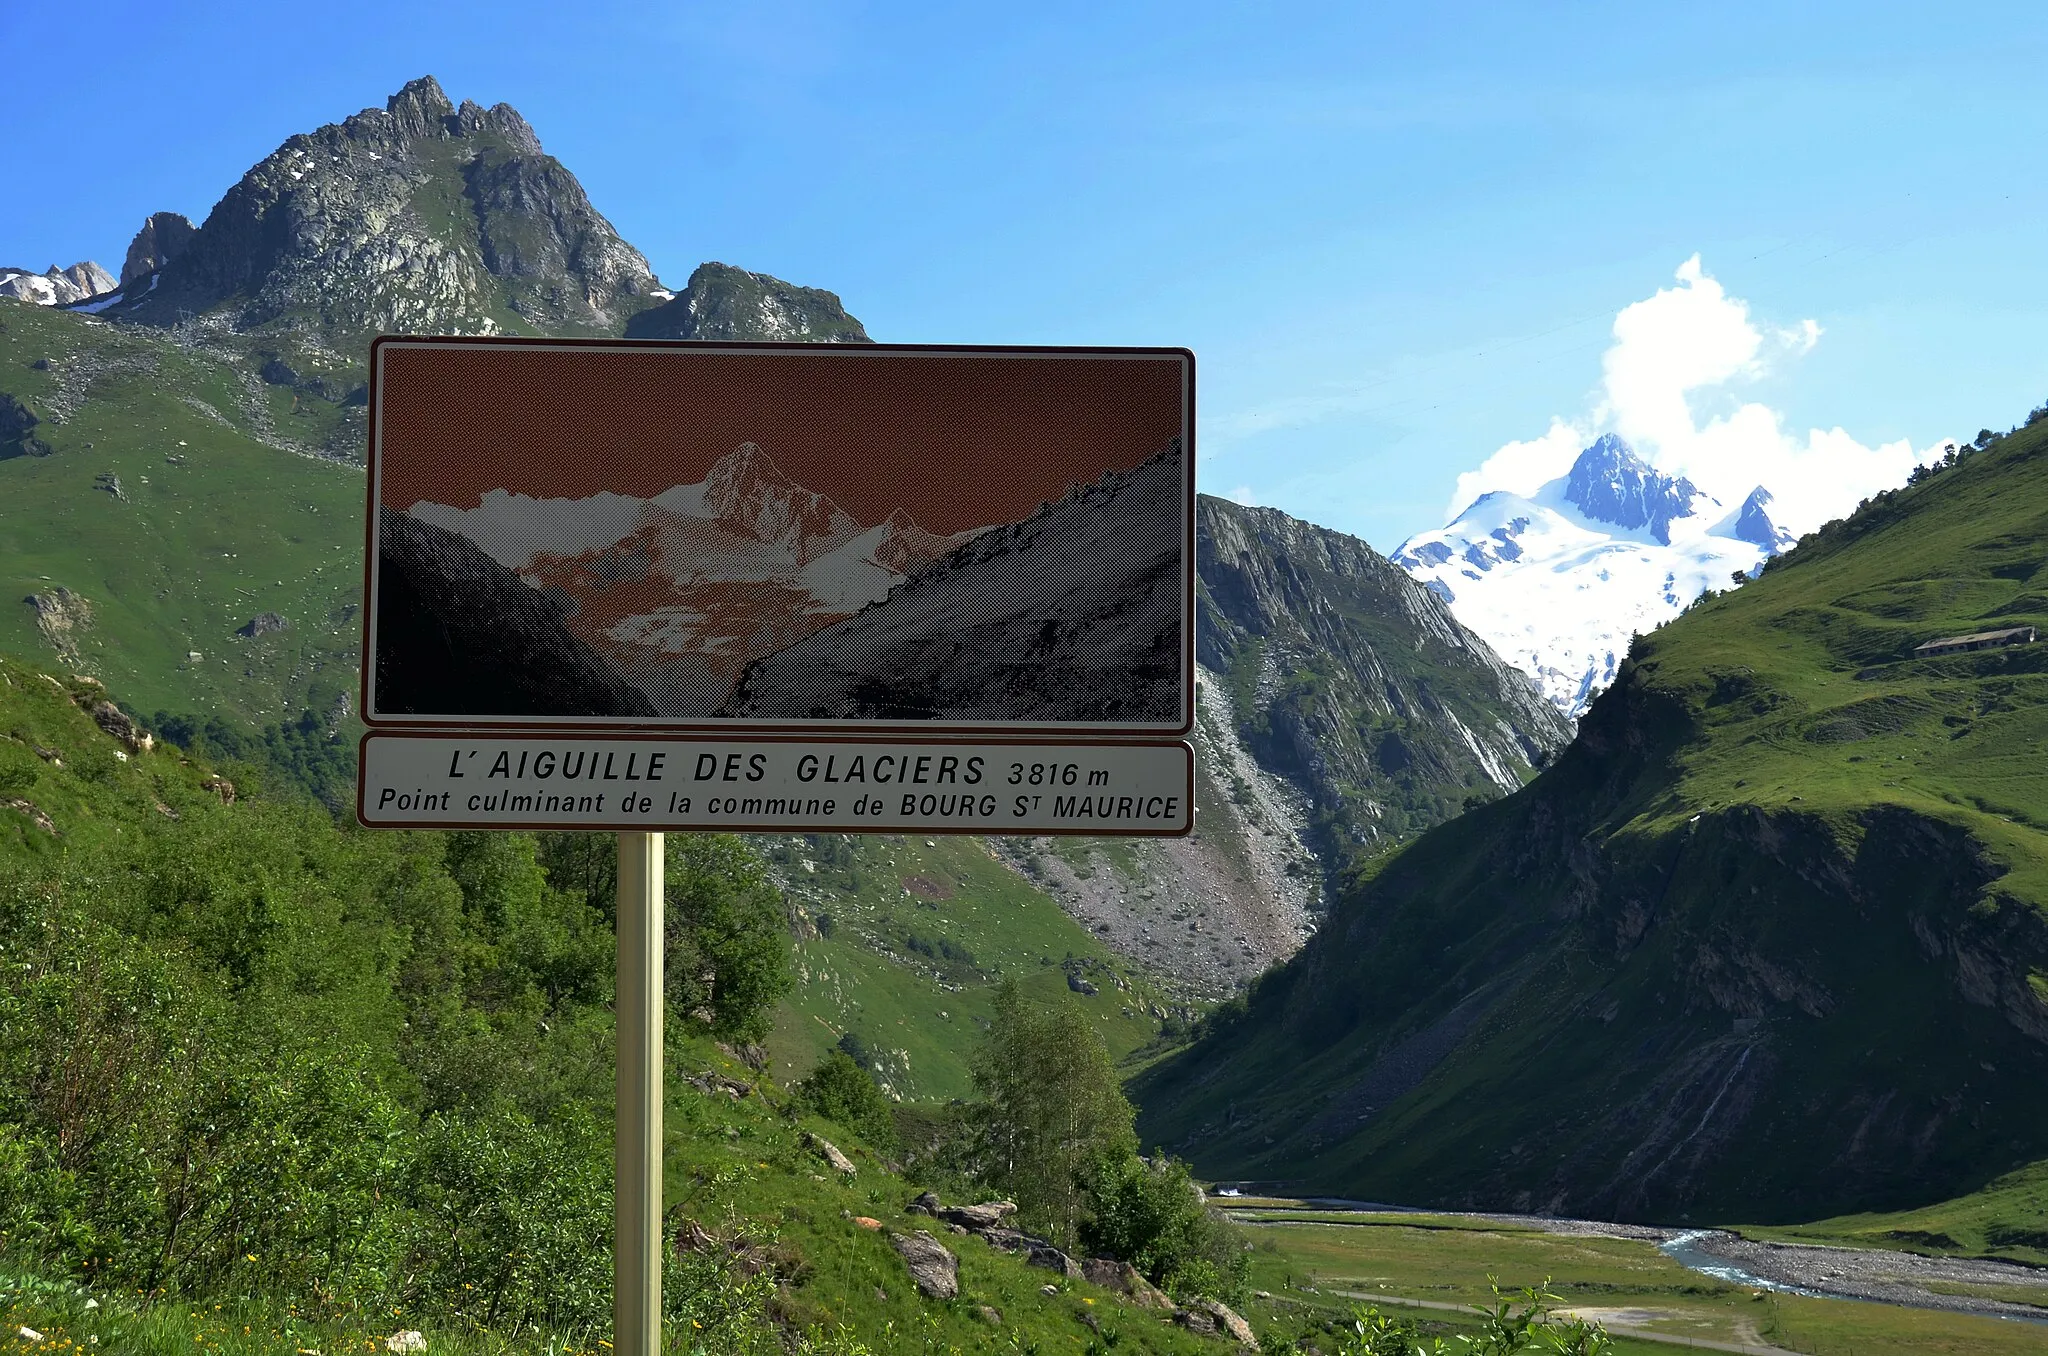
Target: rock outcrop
62 617
18 430
163 237
417 217
723 302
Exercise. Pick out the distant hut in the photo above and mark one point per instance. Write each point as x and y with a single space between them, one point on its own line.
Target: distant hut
1982 640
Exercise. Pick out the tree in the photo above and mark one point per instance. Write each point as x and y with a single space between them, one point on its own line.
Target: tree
841 1090
1152 1215
1050 1109
727 931
728 935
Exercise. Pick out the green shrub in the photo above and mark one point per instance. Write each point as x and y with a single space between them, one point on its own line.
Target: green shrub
840 1090
1152 1215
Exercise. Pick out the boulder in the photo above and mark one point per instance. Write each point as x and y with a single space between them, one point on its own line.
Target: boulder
934 1270
262 624
827 1150
1229 1323
987 1215
927 1204
1125 1279
1052 1259
1197 1320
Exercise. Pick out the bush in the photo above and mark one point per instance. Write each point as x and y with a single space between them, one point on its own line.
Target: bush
843 1091
510 1222
1152 1215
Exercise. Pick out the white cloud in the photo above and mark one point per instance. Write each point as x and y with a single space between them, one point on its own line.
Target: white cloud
1670 350
1521 467
1243 495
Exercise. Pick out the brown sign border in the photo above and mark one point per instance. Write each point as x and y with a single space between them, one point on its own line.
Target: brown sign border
821 730
649 737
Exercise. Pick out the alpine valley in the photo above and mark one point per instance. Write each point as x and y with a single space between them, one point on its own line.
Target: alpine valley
1762 937
1342 707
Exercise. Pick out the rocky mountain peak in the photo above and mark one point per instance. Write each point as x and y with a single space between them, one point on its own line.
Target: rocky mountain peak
162 238
747 490
1609 482
1753 523
420 108
417 217
723 302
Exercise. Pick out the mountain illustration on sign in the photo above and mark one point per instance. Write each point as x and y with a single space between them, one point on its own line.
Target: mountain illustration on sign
749 596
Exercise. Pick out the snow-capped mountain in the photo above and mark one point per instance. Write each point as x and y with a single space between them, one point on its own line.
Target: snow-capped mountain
1559 580
57 286
684 588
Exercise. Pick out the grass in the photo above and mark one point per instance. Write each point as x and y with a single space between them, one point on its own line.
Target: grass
2007 1219
196 546
924 1013
1396 1256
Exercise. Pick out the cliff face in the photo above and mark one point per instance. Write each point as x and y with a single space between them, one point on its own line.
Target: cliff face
419 217
1355 682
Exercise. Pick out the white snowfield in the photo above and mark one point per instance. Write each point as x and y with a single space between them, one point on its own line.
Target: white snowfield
1558 589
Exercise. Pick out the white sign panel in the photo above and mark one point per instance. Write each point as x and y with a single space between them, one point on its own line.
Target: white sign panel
461 781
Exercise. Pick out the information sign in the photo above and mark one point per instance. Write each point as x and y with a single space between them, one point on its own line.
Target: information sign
770 784
794 537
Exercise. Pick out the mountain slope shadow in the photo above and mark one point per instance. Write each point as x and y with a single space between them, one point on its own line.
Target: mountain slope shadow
1071 614
459 634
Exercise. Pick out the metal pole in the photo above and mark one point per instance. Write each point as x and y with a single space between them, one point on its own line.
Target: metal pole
636 1173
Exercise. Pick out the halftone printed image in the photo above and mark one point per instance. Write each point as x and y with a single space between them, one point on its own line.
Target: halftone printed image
698 536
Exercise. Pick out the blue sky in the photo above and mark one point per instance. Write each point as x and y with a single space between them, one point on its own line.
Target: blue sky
1397 236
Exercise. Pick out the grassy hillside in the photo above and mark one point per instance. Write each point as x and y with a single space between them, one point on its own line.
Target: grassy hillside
1769 942
271 1084
212 526
901 942
2008 1219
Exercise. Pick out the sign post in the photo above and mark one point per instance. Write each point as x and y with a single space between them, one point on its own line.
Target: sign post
636 1174
642 587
